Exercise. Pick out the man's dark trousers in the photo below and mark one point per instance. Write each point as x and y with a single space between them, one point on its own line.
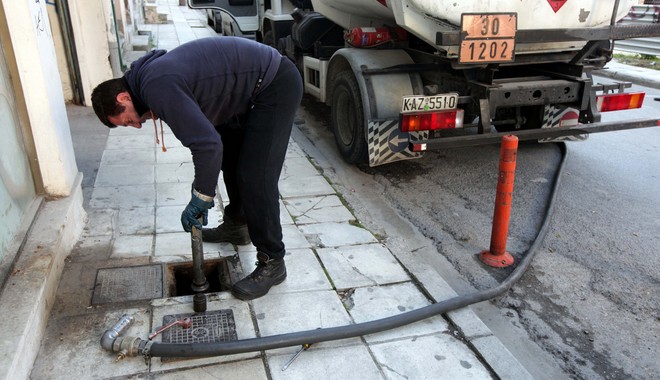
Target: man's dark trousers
253 157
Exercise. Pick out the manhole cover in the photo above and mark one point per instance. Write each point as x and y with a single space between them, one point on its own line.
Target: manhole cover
207 327
128 284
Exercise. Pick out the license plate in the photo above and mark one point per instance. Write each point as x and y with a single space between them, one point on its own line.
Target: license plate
487 37
414 103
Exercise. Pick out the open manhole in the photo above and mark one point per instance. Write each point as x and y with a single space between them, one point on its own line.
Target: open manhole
220 274
207 327
146 282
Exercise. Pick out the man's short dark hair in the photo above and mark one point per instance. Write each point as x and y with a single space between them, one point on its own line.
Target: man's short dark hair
104 100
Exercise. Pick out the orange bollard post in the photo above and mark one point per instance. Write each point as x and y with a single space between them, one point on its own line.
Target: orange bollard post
497 256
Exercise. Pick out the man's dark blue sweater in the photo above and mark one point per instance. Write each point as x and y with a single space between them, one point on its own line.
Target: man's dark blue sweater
199 85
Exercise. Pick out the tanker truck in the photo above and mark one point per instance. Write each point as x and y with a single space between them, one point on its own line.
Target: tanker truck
403 77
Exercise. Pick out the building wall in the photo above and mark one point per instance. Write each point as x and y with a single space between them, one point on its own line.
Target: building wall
17 189
91 33
62 65
41 89
40 190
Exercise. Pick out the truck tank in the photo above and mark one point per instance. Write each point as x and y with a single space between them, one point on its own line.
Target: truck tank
532 14
424 18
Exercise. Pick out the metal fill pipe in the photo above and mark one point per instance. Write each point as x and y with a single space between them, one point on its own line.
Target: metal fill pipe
199 284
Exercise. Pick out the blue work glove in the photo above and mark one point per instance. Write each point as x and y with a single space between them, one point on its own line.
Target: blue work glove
198 206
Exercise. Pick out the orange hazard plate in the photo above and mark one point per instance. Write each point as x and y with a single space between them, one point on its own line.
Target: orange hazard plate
487 37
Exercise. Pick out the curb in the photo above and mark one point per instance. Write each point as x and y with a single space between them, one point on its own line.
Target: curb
637 75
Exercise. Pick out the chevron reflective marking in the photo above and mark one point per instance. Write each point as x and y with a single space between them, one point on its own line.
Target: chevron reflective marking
552 118
386 143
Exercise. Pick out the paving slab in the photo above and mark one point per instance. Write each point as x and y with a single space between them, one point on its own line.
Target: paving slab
305 186
135 220
298 167
123 196
280 313
248 369
362 265
372 303
293 238
99 222
135 141
92 248
174 155
137 174
321 209
176 172
128 156
132 245
428 357
351 362
336 234
168 194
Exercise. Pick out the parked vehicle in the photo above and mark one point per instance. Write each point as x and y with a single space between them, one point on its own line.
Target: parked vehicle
406 76
214 19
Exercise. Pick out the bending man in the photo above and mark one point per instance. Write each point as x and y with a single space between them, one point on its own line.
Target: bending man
232 102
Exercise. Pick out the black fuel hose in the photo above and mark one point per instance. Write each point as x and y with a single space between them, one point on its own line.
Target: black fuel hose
358 329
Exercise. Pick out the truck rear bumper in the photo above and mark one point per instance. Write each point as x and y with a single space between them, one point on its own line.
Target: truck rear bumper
529 134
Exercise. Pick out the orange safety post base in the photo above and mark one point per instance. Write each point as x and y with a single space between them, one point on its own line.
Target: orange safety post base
497 256
502 260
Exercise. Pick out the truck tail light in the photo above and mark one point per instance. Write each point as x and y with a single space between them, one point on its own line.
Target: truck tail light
364 37
618 102
431 121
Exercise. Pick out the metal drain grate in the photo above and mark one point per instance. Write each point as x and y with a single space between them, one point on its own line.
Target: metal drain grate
208 327
143 282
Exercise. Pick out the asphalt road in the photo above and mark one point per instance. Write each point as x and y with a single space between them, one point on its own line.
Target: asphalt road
589 307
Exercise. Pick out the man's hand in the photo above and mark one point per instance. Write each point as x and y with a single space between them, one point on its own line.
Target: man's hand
199 205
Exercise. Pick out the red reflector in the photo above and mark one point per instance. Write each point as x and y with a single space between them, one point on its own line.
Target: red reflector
418 147
431 121
617 102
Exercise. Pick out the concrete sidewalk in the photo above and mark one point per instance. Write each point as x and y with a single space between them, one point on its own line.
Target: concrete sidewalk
339 274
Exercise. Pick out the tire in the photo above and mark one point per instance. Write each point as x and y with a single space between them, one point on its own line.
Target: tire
269 39
348 118
217 22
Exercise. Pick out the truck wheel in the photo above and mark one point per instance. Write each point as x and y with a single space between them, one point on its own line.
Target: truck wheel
348 118
217 22
269 39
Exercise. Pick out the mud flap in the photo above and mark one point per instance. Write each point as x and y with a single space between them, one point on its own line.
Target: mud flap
386 143
561 117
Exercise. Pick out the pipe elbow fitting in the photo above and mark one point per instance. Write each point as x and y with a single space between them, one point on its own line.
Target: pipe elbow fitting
110 335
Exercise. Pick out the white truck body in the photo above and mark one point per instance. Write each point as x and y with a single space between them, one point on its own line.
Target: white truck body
518 67
424 18
532 14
